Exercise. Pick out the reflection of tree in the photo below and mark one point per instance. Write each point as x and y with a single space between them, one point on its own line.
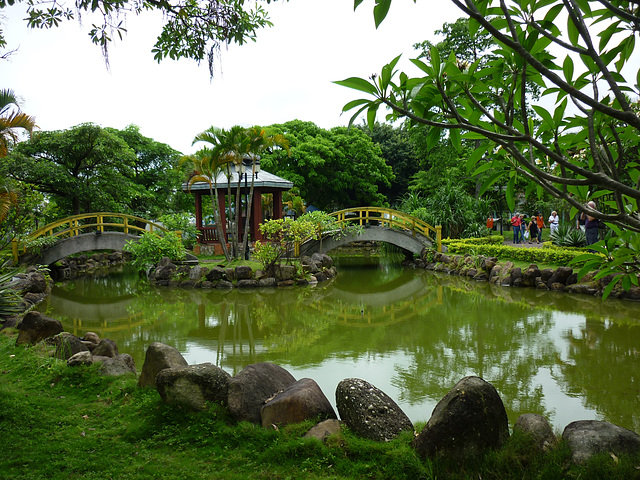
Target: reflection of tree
502 343
602 363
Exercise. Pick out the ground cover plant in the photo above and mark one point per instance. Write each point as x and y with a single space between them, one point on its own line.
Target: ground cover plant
60 422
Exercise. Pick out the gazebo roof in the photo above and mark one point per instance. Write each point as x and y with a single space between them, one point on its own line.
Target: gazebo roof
264 179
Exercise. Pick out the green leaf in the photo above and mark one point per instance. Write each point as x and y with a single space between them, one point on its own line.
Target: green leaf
567 68
380 11
358 84
609 288
454 137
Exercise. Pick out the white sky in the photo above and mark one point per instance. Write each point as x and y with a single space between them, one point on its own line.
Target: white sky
287 74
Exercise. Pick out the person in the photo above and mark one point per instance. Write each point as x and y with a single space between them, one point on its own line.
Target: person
592 226
490 223
540 223
580 220
533 230
515 224
554 221
523 227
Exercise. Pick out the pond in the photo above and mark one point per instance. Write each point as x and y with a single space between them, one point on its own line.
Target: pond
411 333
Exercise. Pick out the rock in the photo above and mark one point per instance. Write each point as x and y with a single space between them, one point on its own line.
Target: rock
33 282
250 388
323 259
546 274
158 357
243 272
193 386
586 438
91 337
284 272
469 420
325 429
197 272
370 412
303 400
118 365
560 275
267 282
106 348
67 345
585 288
530 275
538 428
80 358
230 274
248 283
215 274
35 327
224 284
165 272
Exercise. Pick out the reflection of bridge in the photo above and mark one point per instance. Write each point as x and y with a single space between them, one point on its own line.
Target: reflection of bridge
379 225
83 233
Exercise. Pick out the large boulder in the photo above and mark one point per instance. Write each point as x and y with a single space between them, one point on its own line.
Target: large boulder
590 437
300 401
537 427
250 388
215 274
369 412
243 272
35 327
119 365
193 386
323 259
469 420
158 357
67 345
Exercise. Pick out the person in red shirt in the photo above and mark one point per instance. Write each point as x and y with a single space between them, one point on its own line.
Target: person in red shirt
540 221
515 224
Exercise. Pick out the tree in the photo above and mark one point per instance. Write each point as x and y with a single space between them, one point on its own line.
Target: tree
83 169
155 174
333 169
12 121
588 150
192 29
207 165
593 151
399 153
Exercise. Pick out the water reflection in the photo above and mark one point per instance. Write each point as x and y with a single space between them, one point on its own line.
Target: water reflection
413 334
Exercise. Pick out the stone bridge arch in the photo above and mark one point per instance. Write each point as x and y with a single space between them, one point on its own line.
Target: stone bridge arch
411 242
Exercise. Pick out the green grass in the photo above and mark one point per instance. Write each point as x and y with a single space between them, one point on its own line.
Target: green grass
68 423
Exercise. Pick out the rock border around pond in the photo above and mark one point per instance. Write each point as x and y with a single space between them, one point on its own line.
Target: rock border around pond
467 422
489 269
316 268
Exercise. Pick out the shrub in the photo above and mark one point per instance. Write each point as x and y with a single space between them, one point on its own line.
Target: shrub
568 236
151 247
182 223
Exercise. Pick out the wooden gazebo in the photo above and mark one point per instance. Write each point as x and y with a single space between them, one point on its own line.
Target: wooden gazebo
265 184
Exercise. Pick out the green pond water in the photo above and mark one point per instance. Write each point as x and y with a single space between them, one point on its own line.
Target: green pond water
411 333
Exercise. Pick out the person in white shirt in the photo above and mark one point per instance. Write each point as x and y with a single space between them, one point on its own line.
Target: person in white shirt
554 220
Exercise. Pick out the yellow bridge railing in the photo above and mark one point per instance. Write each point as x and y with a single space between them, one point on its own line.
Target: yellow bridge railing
386 217
86 223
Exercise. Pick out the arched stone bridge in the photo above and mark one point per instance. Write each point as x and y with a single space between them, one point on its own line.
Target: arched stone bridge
83 233
380 225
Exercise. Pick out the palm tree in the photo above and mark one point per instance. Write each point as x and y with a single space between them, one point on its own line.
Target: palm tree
12 120
257 142
206 167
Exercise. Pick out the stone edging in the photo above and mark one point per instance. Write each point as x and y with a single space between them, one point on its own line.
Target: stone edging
489 269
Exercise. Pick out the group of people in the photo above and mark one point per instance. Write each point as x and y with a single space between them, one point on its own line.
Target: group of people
588 224
530 231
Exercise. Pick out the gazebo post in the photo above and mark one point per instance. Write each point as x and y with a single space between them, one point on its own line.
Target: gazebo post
223 215
256 214
198 210
277 204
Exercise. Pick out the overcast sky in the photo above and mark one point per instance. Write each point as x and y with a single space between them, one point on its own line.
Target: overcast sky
286 74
